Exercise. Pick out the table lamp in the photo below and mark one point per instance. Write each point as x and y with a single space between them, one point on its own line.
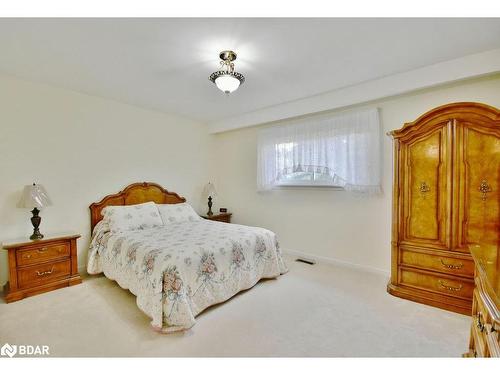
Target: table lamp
35 196
210 192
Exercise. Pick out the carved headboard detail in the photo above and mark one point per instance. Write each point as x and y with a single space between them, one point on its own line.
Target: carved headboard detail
140 192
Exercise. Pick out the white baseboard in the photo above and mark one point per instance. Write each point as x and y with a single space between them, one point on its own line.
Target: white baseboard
337 262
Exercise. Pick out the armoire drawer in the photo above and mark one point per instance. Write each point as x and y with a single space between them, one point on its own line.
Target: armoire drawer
440 283
439 263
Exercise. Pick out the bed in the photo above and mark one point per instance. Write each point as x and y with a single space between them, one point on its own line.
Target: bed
178 269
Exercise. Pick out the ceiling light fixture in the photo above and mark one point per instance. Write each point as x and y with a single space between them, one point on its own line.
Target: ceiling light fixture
226 79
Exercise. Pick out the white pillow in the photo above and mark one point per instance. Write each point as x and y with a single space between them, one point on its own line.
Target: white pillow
177 213
137 216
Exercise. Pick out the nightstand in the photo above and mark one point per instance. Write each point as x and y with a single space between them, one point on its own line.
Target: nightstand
223 216
41 266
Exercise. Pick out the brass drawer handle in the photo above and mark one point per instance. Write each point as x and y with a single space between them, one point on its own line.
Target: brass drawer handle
484 188
45 272
424 188
479 324
452 266
27 256
449 287
43 249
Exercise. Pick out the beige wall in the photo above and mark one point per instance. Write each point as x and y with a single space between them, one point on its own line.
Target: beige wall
83 147
321 221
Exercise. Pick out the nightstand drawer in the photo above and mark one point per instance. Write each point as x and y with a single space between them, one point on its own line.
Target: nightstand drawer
42 254
40 274
225 219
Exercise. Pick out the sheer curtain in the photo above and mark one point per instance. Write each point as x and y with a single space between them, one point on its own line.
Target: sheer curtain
346 147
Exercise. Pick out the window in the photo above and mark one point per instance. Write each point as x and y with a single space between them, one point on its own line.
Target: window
306 179
301 175
338 151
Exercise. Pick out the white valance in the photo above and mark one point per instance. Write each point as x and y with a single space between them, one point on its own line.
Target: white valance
346 147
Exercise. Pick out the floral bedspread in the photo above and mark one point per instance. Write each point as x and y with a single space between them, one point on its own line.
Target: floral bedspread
178 270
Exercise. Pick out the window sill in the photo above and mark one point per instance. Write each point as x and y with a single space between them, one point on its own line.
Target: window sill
294 186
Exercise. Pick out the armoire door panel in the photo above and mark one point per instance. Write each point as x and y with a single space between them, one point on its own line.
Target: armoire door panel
478 172
425 179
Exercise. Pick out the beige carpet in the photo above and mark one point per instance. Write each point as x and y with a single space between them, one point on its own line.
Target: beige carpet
320 310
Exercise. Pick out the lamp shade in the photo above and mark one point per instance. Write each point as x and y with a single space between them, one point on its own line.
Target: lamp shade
209 190
227 83
34 196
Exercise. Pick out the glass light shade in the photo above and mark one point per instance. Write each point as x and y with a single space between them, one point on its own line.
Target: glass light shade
34 196
227 83
209 190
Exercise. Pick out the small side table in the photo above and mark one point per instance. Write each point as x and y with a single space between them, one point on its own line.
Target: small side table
223 216
41 266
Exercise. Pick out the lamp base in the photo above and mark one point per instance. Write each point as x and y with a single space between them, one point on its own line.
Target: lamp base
210 213
36 236
35 220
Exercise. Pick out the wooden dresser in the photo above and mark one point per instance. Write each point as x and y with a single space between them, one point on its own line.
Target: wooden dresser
40 266
223 216
485 328
445 197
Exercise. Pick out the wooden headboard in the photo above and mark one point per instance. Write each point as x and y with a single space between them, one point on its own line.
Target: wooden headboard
140 192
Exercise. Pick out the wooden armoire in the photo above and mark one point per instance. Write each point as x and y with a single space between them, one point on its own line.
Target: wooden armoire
445 198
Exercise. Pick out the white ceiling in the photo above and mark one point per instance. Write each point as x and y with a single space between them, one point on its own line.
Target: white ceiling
164 64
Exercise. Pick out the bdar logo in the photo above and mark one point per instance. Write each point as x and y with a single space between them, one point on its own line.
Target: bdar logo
9 350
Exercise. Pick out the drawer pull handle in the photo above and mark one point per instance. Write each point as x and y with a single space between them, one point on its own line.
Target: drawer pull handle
424 189
479 324
452 266
45 272
27 256
484 188
43 249
449 287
